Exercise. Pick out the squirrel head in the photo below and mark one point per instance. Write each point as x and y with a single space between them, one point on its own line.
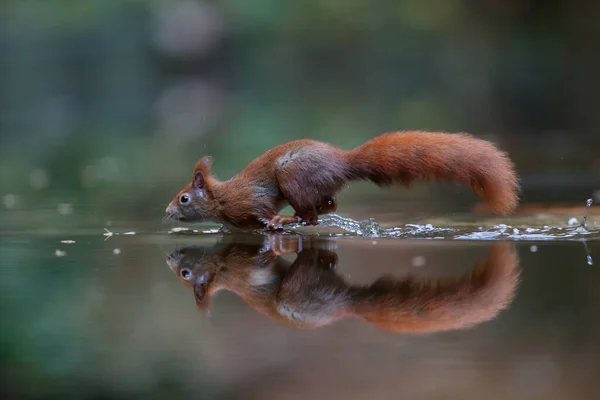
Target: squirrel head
195 202
195 270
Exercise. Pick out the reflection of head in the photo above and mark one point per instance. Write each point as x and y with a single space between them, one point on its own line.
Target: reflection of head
196 269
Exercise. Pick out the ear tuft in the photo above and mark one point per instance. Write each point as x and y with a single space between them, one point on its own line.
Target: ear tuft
201 172
204 165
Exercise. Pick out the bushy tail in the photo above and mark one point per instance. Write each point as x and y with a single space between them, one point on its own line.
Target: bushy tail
404 157
413 305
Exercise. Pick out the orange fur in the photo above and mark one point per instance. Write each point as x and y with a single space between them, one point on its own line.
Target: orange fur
411 156
411 305
308 293
307 175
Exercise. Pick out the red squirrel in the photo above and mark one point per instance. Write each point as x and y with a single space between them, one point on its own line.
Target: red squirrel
308 293
307 174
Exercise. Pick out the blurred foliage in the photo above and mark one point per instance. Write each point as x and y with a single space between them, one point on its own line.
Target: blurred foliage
106 105
126 95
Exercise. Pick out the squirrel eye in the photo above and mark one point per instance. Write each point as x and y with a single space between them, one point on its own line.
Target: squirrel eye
184 199
186 274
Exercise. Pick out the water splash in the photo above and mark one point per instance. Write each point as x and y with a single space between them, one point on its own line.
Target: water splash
587 209
370 228
590 261
545 233
110 234
189 231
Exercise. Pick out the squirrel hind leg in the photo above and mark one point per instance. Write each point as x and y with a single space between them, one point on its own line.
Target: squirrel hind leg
306 215
309 178
306 203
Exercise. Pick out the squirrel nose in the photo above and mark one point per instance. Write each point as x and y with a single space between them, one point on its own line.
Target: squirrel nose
171 210
173 258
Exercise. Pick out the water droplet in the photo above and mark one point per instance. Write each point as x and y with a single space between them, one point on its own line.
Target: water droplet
588 254
573 221
588 205
533 248
418 261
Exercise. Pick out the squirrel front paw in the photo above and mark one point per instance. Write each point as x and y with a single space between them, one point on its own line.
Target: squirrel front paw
277 222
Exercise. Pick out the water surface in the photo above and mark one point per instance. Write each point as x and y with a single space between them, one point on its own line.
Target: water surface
460 307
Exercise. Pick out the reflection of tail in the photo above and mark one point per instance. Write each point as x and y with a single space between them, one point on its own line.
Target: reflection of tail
411 305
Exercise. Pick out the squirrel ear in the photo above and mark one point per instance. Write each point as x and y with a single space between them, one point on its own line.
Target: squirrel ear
199 293
198 182
201 171
201 287
202 300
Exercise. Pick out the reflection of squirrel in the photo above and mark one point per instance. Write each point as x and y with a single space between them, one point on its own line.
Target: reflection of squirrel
308 293
307 175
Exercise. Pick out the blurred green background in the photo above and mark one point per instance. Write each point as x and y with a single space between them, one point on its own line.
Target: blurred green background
106 105
110 103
